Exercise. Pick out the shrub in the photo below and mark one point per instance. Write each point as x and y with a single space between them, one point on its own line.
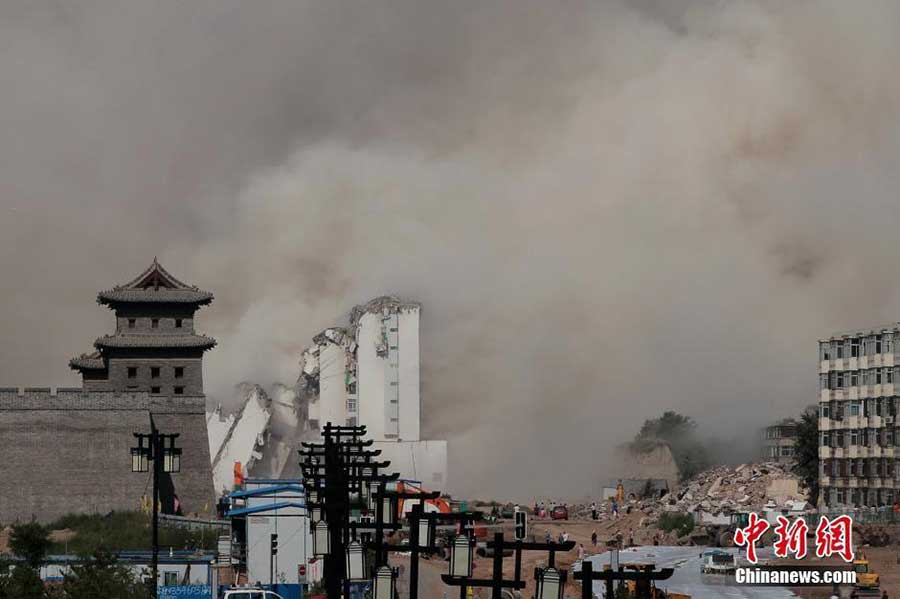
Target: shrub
681 523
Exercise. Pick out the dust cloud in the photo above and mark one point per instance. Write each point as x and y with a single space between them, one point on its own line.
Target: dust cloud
607 209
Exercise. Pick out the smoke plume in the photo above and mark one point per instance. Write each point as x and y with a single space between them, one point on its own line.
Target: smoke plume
607 209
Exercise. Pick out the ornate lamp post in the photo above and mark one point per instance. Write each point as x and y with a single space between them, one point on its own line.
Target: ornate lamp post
356 562
461 557
385 583
321 539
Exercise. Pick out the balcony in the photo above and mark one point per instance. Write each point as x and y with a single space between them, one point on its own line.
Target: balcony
888 389
824 424
874 483
887 359
853 482
852 452
875 422
824 481
825 395
852 422
875 451
887 483
824 366
824 452
887 452
837 452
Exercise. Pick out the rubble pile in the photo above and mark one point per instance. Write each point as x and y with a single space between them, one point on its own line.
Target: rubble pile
710 497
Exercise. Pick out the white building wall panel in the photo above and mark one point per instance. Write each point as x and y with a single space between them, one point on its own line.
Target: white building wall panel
370 374
408 350
332 385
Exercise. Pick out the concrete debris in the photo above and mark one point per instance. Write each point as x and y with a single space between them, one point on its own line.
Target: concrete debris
240 437
710 497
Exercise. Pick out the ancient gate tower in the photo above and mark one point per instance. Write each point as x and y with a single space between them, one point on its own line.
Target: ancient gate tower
69 451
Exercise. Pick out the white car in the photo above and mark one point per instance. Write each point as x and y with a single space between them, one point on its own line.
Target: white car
250 594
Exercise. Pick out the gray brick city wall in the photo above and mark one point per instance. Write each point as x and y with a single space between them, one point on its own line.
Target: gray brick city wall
70 452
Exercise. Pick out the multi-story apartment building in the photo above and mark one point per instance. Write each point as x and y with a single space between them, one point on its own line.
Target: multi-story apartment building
779 442
857 418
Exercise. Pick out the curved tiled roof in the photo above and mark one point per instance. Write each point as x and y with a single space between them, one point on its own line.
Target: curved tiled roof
154 285
150 295
88 362
201 341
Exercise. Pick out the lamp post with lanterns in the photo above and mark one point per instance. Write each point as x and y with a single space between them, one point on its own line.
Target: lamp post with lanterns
160 450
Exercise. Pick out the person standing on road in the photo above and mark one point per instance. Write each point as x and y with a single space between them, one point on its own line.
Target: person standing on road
548 538
593 510
581 552
631 537
615 509
594 538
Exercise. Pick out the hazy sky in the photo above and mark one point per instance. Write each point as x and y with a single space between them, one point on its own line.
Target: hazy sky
607 209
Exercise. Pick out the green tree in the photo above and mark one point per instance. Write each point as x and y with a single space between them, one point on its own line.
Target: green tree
680 434
21 582
102 575
806 453
30 542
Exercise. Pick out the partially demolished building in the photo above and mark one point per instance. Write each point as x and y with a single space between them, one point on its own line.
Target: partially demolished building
368 374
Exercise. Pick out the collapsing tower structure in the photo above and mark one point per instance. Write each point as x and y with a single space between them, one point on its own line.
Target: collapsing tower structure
368 374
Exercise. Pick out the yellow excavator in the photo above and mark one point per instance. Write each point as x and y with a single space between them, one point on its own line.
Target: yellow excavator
868 584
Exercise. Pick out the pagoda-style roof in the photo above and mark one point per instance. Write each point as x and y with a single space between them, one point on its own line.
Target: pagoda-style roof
143 341
92 361
155 285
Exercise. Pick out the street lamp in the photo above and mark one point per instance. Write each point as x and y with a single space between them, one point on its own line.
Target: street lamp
321 539
549 584
356 563
426 531
461 557
385 583
389 512
312 496
171 454
315 514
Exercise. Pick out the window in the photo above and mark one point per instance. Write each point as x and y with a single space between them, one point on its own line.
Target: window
840 380
351 404
854 349
825 410
179 390
131 323
154 390
878 376
351 421
878 344
154 323
840 350
854 408
171 579
132 372
179 372
787 451
178 323
154 372
854 438
888 375
854 379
